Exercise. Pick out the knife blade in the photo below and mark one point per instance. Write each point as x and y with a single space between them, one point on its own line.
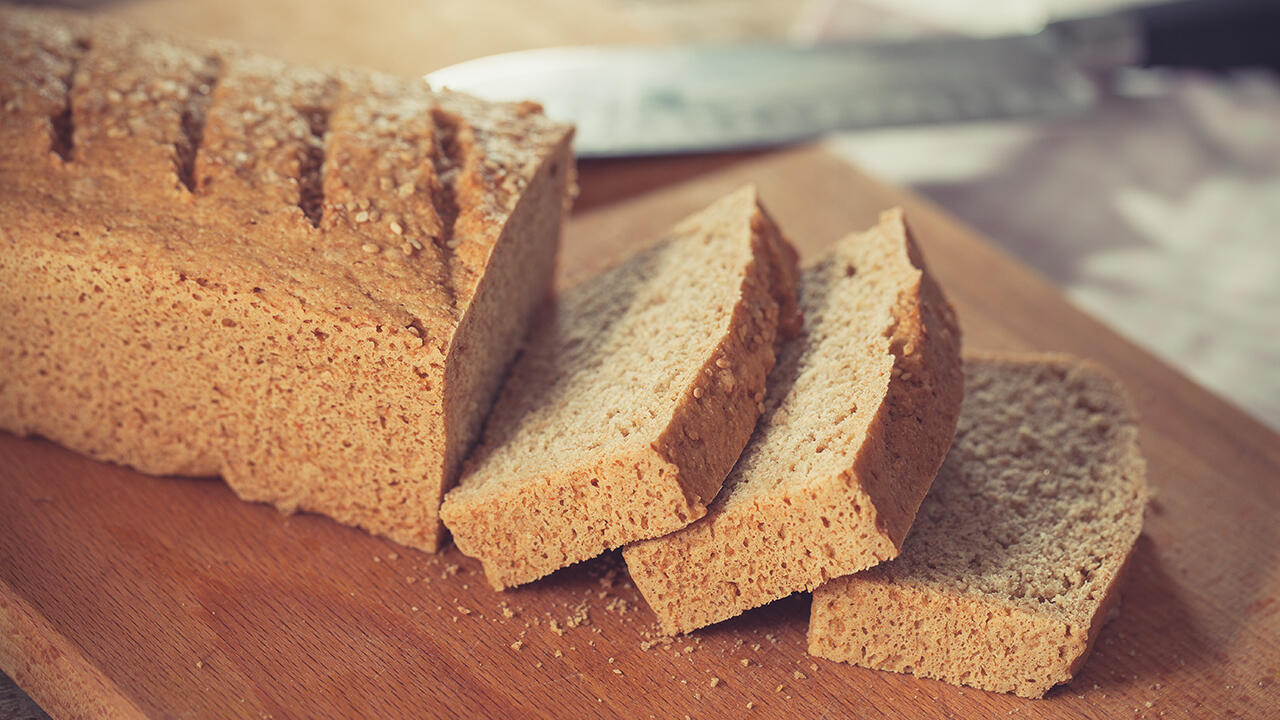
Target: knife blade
672 99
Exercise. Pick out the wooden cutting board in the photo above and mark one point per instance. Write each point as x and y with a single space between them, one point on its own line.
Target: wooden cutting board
122 594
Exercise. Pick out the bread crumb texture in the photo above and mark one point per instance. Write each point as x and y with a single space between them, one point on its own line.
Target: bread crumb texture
636 393
859 413
1013 563
307 281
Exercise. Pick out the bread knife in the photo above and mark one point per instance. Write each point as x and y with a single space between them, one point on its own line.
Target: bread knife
644 100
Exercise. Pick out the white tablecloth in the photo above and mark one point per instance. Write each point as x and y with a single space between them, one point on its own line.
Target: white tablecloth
1158 212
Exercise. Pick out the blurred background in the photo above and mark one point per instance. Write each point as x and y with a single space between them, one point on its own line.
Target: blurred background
1158 211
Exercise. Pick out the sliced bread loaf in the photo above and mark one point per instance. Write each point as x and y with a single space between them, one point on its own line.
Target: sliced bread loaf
307 281
1016 554
635 395
859 414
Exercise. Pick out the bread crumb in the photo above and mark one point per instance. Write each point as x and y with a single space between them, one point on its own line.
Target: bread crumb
557 653
797 675
507 612
199 664
616 671
463 610
750 704
517 645
745 662
581 615
715 681
393 556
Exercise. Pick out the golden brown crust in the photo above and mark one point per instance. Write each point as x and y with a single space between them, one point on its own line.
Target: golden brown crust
222 264
783 524
1017 556
526 518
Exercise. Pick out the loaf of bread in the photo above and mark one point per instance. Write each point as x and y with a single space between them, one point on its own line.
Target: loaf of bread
308 282
860 411
635 396
1015 557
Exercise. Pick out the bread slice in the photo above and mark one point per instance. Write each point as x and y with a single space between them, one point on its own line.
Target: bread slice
1017 552
636 394
860 412
309 282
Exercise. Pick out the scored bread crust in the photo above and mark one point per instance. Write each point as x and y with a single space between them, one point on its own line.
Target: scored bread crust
786 521
307 281
1020 625
528 505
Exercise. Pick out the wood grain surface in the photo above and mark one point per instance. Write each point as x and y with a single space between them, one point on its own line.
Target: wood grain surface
124 595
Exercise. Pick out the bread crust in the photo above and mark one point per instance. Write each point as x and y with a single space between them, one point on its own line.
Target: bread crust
764 539
663 476
930 619
220 264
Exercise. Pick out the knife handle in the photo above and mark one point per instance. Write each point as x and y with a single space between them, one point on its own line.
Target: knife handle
1210 34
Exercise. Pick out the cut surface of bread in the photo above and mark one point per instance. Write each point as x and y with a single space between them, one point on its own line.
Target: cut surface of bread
1014 560
309 282
636 393
860 411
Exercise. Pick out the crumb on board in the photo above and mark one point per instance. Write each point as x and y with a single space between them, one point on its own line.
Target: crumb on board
517 644
715 682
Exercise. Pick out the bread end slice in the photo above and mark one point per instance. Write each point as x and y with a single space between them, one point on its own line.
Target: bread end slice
860 412
636 394
1017 553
